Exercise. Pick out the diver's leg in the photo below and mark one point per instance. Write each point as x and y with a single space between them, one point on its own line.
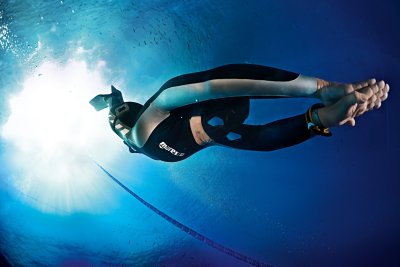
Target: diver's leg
294 130
234 80
253 81
272 136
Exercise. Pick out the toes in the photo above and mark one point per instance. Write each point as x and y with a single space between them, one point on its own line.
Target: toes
384 97
371 96
381 85
349 88
375 88
385 92
372 85
363 84
380 96
369 90
372 104
374 98
362 96
357 86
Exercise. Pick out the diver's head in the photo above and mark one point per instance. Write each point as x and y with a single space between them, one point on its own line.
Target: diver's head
123 117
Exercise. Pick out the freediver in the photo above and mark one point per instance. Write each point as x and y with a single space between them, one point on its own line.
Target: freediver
198 110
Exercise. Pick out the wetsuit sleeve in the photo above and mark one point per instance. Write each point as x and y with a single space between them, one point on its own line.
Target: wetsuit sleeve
237 80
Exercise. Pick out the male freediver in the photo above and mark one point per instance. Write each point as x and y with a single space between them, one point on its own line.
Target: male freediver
198 110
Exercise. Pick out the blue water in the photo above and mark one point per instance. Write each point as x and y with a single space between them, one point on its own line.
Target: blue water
326 202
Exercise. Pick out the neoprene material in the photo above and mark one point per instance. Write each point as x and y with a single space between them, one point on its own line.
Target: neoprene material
161 129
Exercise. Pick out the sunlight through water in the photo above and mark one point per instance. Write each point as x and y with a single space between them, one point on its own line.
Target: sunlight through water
51 132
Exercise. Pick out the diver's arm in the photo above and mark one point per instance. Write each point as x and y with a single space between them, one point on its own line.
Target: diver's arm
232 81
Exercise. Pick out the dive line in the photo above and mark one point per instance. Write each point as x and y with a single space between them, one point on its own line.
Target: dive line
187 229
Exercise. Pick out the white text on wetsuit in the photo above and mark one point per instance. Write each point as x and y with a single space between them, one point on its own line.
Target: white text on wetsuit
170 150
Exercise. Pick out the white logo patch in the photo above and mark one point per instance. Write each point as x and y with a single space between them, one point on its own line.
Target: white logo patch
166 147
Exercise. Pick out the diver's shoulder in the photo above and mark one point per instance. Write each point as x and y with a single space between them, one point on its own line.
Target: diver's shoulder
147 122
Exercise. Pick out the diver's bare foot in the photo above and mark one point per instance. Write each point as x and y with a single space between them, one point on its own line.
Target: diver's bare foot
354 104
330 92
374 101
371 92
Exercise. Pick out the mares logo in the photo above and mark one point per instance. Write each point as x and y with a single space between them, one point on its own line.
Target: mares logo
164 146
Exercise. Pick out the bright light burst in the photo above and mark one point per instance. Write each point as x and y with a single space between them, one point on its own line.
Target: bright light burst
52 130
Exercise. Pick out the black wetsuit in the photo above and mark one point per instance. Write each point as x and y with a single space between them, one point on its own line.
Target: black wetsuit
169 137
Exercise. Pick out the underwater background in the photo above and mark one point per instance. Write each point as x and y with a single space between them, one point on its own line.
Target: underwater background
327 202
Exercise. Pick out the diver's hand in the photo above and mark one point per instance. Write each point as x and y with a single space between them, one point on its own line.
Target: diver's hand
354 104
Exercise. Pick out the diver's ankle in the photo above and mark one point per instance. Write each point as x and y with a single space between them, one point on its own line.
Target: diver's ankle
320 84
